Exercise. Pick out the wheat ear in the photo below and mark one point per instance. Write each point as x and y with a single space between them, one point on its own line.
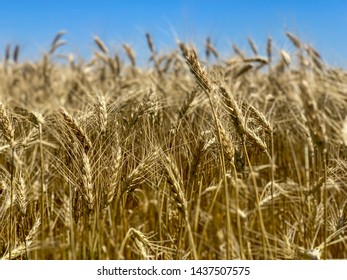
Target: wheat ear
76 129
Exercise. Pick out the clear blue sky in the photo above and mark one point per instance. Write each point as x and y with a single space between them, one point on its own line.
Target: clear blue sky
33 24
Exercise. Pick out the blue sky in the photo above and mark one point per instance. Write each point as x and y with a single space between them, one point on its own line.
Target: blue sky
33 24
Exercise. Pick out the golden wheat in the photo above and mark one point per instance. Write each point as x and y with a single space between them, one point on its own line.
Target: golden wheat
185 159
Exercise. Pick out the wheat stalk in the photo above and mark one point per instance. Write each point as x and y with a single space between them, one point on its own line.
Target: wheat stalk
115 170
101 110
87 182
22 248
100 45
130 53
209 48
6 126
294 40
16 53
22 195
226 142
253 45
76 129
150 43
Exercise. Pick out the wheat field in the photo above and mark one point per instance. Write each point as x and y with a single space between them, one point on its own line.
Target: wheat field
195 157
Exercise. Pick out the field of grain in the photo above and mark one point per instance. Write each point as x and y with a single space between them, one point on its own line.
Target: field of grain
196 157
